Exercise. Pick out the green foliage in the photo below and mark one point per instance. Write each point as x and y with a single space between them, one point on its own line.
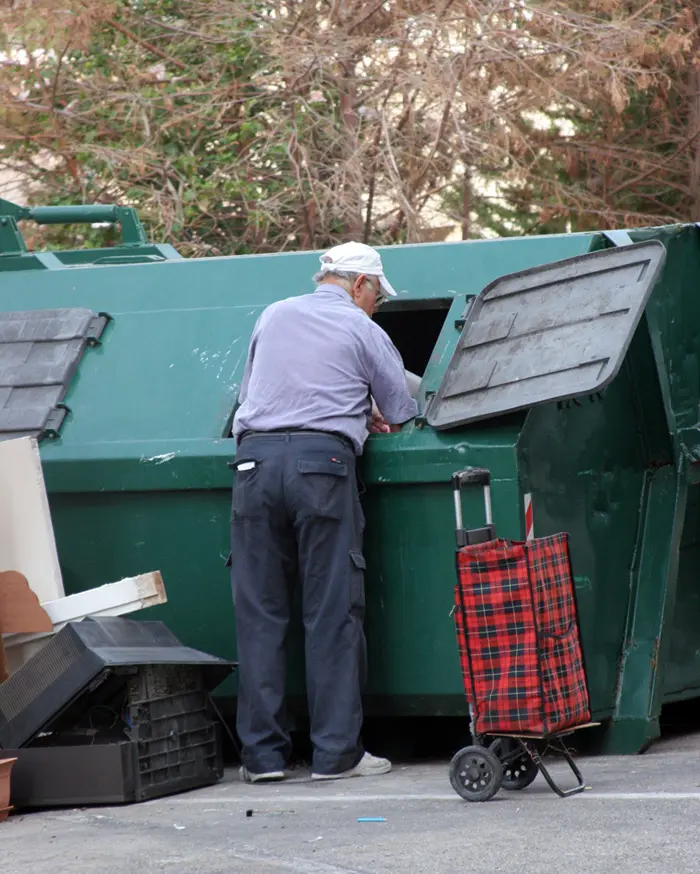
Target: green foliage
238 127
178 137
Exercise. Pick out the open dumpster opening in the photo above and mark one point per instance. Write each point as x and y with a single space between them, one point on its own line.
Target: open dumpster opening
414 327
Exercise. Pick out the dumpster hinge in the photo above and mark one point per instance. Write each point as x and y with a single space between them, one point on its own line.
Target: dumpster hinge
421 419
596 397
11 241
462 321
56 418
96 328
618 238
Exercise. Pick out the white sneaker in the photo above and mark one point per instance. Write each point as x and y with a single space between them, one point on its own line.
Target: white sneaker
368 766
268 777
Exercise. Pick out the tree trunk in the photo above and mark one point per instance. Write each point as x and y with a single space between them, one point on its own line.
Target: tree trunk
466 203
351 208
694 117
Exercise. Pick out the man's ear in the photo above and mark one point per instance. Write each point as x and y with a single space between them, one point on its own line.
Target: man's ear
357 286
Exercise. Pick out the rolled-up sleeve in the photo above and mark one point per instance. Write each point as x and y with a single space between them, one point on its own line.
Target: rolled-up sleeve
387 378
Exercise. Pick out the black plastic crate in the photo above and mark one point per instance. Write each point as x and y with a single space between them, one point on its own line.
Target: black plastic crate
136 736
178 743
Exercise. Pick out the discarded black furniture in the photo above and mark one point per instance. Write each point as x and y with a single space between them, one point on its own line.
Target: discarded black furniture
112 710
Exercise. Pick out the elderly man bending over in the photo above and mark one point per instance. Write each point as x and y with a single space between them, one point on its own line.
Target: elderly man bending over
314 365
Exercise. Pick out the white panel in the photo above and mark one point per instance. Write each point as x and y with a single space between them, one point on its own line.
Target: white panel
27 542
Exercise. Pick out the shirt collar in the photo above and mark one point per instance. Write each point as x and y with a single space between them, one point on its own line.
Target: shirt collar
335 290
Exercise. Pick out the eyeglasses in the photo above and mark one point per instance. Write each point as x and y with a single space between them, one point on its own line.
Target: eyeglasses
379 296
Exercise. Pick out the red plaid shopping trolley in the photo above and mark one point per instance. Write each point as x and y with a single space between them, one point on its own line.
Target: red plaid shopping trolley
520 653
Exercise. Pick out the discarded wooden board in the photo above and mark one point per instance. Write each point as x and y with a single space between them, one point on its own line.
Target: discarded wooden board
113 599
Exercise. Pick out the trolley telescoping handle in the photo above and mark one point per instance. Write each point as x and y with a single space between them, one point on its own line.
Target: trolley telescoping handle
472 476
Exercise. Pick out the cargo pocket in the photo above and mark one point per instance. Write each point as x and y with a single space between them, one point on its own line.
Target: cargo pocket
323 485
246 501
357 583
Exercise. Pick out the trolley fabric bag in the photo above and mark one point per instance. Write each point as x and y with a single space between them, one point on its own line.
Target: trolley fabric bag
518 637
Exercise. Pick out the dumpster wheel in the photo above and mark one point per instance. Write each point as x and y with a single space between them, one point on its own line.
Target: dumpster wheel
519 770
476 773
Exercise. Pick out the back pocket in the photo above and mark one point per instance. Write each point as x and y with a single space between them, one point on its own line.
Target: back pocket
246 502
323 483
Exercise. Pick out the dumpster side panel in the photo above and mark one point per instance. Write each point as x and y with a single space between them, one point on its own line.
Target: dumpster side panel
410 546
105 537
682 672
409 543
641 655
654 576
584 464
673 315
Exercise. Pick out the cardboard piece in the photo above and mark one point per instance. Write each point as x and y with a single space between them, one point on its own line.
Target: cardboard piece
20 611
4 668
27 542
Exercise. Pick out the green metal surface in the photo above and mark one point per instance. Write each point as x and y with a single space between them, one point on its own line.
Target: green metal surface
138 478
133 233
134 247
653 578
674 320
11 241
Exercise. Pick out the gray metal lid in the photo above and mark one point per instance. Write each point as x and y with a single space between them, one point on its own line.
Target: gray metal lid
547 334
40 350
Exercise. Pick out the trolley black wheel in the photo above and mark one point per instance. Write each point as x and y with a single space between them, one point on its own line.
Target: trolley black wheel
475 773
518 768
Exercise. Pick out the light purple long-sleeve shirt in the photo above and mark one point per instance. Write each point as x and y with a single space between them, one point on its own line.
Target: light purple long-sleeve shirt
314 362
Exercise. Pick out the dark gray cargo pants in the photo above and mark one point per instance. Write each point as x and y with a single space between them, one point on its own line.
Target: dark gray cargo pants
296 514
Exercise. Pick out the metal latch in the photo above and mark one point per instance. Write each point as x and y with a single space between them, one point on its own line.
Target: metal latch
462 321
96 328
56 418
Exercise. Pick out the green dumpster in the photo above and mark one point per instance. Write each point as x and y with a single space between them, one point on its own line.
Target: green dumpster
137 473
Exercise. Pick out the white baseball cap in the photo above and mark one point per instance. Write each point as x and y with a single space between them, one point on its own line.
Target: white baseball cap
356 258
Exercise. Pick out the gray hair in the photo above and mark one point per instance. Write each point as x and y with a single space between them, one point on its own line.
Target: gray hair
336 274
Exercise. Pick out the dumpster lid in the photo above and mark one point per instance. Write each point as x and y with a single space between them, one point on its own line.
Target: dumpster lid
546 334
40 351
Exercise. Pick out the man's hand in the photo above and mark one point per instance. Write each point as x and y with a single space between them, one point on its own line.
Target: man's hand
378 425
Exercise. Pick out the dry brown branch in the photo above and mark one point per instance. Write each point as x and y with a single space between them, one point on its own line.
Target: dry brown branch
298 123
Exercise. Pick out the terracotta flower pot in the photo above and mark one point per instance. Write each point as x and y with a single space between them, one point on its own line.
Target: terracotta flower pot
5 769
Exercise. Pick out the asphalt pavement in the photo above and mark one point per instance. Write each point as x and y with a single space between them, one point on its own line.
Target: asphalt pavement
640 813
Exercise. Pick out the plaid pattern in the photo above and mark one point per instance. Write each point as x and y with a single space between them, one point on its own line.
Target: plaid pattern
518 636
